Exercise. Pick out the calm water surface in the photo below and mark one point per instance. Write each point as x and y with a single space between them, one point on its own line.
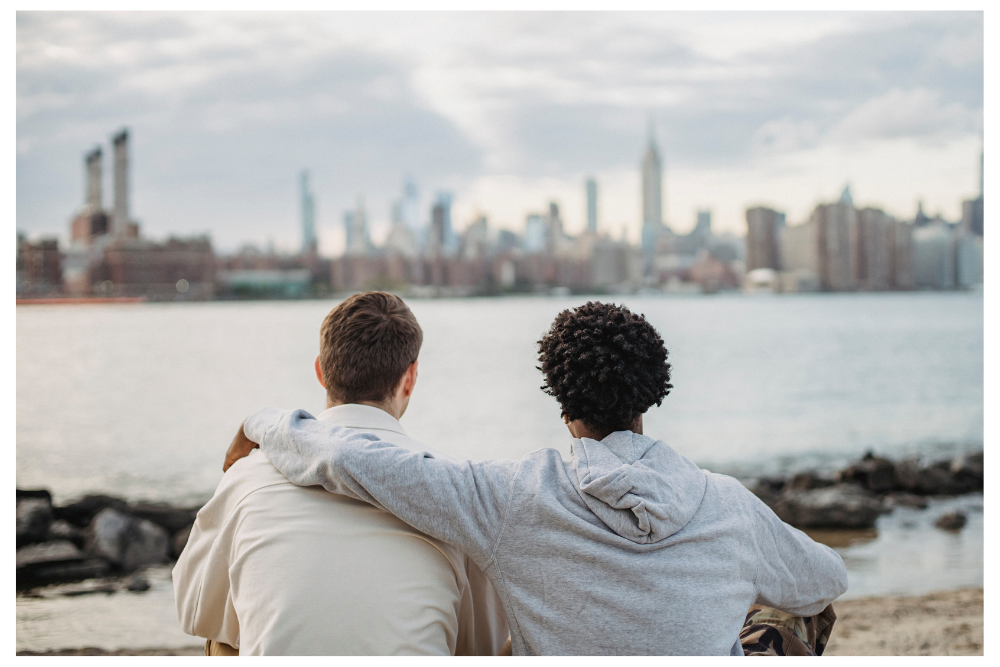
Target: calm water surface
141 401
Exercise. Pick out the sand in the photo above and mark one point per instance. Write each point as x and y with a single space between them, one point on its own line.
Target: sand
945 623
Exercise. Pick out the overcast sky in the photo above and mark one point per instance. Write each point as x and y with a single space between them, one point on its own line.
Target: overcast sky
506 110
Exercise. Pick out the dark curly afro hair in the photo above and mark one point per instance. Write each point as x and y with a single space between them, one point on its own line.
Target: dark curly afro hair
604 364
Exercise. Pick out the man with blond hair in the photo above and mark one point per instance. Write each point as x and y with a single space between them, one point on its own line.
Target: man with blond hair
273 568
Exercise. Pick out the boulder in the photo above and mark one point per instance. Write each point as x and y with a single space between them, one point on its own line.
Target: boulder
55 561
931 480
64 530
34 493
768 489
838 506
137 583
82 512
126 541
952 521
808 480
967 471
179 540
47 552
169 517
33 518
871 472
904 499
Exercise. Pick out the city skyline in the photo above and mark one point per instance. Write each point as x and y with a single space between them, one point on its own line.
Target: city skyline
913 120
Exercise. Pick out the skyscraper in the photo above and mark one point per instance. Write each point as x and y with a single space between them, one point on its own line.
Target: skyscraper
357 241
652 194
764 228
119 219
591 206
308 216
443 237
409 210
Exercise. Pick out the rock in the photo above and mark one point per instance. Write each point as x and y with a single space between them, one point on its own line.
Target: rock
806 481
64 530
137 583
951 521
838 506
60 572
179 541
904 499
126 541
933 480
170 518
768 489
33 518
871 472
47 552
967 471
34 493
82 512
55 561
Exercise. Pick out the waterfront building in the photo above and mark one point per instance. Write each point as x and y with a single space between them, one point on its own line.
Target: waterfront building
764 231
901 259
535 233
876 236
356 240
442 239
836 229
39 266
934 255
475 241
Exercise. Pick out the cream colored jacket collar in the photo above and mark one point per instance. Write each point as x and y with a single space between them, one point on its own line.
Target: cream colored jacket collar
367 417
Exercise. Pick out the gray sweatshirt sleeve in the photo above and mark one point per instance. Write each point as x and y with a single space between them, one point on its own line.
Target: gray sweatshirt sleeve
459 502
794 573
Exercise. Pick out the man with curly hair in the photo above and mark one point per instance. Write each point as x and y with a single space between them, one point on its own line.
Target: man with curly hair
625 548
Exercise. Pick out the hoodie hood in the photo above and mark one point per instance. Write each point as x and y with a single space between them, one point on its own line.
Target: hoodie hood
639 487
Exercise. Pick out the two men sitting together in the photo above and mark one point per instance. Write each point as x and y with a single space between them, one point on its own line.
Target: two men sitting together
342 535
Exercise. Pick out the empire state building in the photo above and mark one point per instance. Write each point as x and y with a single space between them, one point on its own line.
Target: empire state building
652 195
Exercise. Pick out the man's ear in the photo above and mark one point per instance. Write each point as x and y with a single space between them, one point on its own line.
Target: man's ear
319 374
409 380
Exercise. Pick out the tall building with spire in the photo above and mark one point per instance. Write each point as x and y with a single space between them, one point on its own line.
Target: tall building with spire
308 215
652 194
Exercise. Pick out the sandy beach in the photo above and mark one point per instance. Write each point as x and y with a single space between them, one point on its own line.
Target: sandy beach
943 623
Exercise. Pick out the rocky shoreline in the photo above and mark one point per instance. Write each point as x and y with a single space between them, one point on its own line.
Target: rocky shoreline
854 498
101 536
95 536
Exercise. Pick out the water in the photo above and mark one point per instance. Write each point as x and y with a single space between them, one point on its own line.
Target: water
141 401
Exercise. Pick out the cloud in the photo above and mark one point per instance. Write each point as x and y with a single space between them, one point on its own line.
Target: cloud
917 113
226 108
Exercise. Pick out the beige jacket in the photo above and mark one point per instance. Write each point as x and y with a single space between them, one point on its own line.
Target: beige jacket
272 568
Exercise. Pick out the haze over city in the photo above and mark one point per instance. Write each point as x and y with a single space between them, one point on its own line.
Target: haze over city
506 111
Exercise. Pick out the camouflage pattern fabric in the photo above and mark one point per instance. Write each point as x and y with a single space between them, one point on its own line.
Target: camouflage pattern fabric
768 631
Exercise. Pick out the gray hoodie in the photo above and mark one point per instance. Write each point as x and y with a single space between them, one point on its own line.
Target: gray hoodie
626 548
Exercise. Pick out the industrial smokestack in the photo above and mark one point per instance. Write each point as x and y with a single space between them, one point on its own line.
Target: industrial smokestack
119 224
94 173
